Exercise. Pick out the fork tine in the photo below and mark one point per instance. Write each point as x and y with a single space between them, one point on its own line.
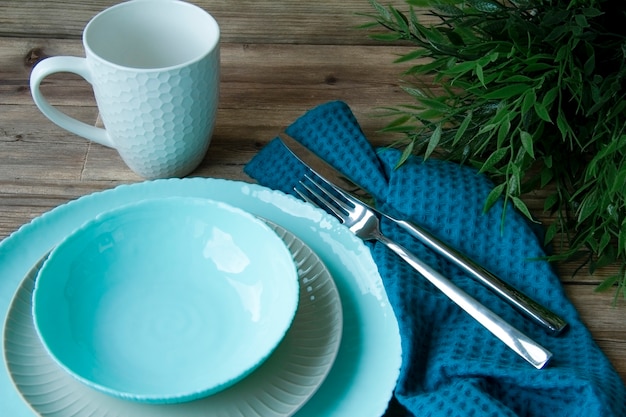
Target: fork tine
347 196
304 196
324 186
328 205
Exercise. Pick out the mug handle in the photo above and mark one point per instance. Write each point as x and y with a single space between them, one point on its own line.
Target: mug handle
74 65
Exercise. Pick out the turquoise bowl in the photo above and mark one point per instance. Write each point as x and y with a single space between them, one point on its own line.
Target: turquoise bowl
166 300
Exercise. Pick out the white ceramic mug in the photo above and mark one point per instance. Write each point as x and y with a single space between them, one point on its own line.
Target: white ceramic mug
154 68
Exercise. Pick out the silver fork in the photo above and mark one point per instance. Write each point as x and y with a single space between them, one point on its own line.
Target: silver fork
364 223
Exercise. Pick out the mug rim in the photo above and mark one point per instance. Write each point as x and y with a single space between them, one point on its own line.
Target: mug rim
212 43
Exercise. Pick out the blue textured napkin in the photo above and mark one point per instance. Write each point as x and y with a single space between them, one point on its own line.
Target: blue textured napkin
451 365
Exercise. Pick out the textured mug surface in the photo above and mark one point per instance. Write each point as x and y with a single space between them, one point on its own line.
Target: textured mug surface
154 68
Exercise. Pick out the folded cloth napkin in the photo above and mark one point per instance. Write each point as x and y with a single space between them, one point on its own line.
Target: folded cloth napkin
451 366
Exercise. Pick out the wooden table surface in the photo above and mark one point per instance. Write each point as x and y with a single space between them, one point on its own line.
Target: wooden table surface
279 59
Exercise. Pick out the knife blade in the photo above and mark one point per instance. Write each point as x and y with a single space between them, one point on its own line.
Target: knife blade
539 314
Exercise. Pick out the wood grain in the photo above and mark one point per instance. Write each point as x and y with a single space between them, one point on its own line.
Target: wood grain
322 22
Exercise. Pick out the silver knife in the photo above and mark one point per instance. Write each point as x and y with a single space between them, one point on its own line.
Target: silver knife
524 304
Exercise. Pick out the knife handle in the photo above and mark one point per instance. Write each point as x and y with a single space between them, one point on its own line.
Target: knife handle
523 303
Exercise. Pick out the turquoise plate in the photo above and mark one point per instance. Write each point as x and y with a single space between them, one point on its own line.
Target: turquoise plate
365 371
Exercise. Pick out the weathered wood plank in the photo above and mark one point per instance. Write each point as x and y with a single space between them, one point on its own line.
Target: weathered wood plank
253 76
24 199
27 124
246 21
31 147
605 321
19 55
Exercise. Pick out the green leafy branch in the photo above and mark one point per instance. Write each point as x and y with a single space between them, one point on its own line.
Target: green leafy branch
533 94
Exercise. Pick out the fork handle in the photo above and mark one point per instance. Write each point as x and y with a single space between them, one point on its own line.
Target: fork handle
524 346
526 305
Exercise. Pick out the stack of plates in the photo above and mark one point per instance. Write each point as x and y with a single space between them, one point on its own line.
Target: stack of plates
340 356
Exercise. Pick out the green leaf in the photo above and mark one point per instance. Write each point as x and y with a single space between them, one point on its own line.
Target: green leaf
454 38
434 104
418 53
522 207
487 128
538 67
603 260
619 183
563 125
550 202
517 79
549 97
586 209
462 68
530 97
604 240
420 3
503 114
547 160
380 9
487 6
557 32
431 114
494 158
480 75
462 128
507 92
527 143
590 65
550 233
433 141
542 112
621 239
448 9
607 283
563 53
399 121
415 92
546 176
581 21
591 12
401 20
492 197
406 153
503 130
513 186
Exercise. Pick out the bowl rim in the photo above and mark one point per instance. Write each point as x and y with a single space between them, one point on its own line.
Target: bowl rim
200 391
